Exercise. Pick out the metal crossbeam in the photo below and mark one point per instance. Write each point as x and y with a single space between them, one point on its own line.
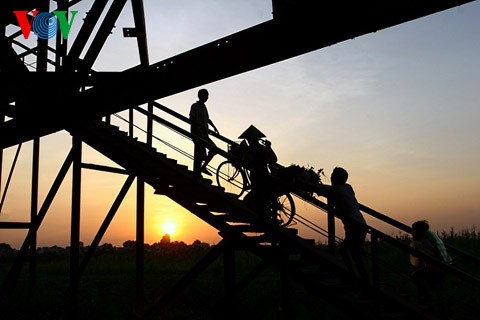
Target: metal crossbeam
283 37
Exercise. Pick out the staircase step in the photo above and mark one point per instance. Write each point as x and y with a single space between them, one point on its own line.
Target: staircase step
234 217
203 198
249 228
182 166
167 185
262 238
231 206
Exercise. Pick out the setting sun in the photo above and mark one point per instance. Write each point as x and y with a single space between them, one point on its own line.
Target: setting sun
169 228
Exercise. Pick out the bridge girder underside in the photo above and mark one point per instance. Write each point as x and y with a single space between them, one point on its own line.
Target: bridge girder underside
297 27
83 94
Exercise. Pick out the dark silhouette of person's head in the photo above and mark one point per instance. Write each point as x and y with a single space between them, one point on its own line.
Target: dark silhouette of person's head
419 229
252 135
339 176
202 95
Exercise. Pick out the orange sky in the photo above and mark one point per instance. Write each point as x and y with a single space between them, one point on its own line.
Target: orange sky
398 109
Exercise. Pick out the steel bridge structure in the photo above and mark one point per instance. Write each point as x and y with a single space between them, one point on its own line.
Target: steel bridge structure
29 69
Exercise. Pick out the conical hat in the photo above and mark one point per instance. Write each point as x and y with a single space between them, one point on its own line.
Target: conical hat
252 133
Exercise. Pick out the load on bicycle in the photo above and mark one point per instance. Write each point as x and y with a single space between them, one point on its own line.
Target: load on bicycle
252 169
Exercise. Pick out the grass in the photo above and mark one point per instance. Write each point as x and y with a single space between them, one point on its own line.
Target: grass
107 289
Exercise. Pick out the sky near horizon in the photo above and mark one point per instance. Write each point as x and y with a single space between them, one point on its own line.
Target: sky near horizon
398 108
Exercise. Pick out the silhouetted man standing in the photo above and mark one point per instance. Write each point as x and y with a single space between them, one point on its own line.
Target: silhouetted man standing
199 122
342 198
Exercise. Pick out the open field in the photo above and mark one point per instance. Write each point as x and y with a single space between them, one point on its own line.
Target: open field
107 289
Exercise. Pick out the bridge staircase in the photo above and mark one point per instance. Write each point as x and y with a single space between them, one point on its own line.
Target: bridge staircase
299 259
315 267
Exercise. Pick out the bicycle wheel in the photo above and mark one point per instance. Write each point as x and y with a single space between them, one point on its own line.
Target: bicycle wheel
285 209
231 178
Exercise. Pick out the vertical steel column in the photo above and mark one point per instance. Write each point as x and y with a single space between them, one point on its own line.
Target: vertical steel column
42 60
139 252
140 31
130 122
34 210
150 125
331 228
139 18
75 221
42 44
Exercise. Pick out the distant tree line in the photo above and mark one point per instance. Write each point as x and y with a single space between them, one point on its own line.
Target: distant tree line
163 246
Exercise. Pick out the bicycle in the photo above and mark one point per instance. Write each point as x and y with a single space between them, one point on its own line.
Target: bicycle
234 177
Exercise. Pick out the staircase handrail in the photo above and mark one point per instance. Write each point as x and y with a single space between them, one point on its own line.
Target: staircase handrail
180 130
397 243
309 199
408 229
375 234
442 265
187 120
